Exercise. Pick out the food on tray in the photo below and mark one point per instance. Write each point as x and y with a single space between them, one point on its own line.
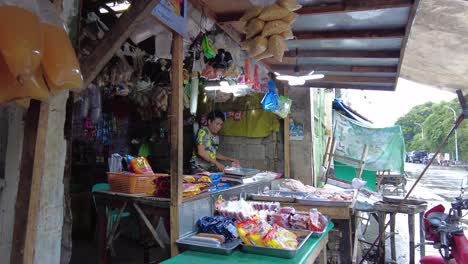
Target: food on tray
218 226
220 238
207 240
270 206
281 219
292 185
287 210
299 220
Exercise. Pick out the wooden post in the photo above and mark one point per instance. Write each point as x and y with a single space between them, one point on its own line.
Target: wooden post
175 120
411 237
29 187
362 162
287 149
422 240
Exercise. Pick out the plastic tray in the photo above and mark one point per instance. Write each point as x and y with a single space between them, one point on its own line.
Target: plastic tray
303 235
322 202
242 172
277 196
224 249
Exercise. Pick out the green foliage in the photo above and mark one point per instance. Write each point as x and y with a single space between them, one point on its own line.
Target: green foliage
437 121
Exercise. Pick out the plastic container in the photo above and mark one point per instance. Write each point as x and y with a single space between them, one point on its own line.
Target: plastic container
132 183
224 249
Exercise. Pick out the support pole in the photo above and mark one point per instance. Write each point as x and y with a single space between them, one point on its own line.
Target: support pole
287 148
175 120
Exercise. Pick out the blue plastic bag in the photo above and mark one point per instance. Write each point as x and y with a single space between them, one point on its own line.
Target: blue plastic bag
270 101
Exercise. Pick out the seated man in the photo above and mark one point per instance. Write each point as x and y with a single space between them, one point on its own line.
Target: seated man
207 156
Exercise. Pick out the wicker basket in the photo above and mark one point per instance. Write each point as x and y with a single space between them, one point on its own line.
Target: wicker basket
132 183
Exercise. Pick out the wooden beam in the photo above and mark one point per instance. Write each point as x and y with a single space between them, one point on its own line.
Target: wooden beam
29 186
384 54
349 34
330 8
405 39
175 120
337 78
93 64
333 68
346 86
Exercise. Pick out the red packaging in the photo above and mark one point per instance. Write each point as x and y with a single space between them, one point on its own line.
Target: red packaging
280 219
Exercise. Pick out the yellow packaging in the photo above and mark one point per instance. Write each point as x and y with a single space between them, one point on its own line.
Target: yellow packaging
275 27
291 5
273 12
252 13
254 27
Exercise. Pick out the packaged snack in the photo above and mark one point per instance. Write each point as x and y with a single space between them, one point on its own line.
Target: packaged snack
291 5
140 165
314 222
252 13
258 46
287 35
287 210
273 12
290 18
254 27
204 179
275 27
264 55
189 179
280 220
277 46
244 228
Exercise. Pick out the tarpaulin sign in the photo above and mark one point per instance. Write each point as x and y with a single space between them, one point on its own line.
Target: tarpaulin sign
173 13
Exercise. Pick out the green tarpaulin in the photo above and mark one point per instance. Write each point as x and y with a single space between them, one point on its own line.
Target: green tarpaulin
386 145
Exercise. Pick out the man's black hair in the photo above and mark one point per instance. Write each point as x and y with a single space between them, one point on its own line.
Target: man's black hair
216 114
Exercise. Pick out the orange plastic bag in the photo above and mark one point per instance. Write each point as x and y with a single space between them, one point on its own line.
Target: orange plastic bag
10 89
21 40
60 65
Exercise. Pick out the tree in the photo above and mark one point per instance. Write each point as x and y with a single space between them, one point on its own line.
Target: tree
437 121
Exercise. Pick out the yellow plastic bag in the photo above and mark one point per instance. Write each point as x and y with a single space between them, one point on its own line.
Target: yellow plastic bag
264 55
252 13
11 90
277 46
291 5
287 35
290 18
254 27
275 27
21 40
273 12
258 45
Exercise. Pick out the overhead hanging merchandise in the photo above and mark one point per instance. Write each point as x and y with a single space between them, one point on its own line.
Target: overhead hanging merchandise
267 28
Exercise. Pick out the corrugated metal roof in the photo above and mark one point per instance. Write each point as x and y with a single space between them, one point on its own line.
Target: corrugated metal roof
346 44
349 61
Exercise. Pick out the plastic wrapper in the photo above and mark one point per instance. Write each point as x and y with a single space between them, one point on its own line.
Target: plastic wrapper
10 89
299 220
281 219
258 45
252 13
273 12
259 231
244 228
288 238
219 225
265 55
189 179
140 165
287 35
277 46
287 210
239 210
290 18
314 221
162 186
59 63
21 43
254 27
291 5
270 206
275 27
270 100
285 107
292 185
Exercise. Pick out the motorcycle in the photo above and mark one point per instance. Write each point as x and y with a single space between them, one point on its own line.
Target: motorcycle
446 233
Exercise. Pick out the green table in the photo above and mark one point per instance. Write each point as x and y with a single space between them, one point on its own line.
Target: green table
308 254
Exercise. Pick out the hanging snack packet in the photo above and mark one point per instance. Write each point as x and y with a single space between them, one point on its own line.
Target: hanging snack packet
252 13
291 5
274 27
254 27
273 12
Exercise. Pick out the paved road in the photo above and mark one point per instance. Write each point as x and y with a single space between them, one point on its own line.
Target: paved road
440 185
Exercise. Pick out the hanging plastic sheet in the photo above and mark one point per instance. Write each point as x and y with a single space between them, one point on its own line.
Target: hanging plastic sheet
386 145
270 101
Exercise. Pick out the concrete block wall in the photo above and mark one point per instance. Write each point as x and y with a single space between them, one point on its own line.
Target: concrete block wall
258 153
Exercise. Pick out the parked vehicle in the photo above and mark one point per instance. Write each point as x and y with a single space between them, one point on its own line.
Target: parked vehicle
419 156
446 233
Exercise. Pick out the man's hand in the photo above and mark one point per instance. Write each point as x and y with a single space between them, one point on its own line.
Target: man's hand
235 163
219 166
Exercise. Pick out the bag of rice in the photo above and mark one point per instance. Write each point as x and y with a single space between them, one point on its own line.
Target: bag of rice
274 27
264 55
277 46
290 18
258 45
291 5
273 12
287 35
252 13
254 27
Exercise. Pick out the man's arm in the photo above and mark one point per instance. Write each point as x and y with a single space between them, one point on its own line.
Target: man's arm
201 151
226 158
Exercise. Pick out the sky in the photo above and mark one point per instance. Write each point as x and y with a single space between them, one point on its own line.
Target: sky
384 108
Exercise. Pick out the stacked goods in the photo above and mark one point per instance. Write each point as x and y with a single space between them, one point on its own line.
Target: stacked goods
267 28
36 55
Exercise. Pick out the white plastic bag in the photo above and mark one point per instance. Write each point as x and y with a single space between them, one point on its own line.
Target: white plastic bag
145 29
194 95
163 43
